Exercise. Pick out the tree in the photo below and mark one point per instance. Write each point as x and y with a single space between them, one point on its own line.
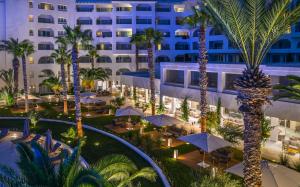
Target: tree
120 171
266 129
151 38
117 103
254 26
54 84
36 169
73 37
231 132
7 91
92 53
185 110
219 113
88 77
12 46
137 40
290 91
26 48
199 20
61 57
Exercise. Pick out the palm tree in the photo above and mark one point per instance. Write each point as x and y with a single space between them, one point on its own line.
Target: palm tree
7 92
36 169
137 40
62 42
55 84
88 77
254 26
152 38
290 91
92 53
26 48
61 57
120 171
116 103
74 37
12 46
199 20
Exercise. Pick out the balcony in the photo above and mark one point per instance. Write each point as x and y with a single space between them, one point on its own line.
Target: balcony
85 8
104 21
163 22
140 21
45 19
123 59
45 46
163 9
124 21
104 9
45 6
45 33
123 46
87 21
104 46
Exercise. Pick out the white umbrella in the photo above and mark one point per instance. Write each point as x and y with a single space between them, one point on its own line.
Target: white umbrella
88 100
87 94
206 142
273 175
129 111
162 120
30 97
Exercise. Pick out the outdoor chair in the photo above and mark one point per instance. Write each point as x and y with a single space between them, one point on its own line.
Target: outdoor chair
4 133
34 139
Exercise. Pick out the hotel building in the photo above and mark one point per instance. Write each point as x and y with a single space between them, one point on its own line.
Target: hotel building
111 23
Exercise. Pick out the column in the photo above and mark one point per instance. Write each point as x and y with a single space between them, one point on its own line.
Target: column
221 81
146 95
186 78
173 106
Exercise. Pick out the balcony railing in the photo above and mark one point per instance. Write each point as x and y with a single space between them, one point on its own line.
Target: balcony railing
84 22
103 22
143 21
45 20
124 21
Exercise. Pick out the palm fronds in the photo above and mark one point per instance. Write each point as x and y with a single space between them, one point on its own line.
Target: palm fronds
290 91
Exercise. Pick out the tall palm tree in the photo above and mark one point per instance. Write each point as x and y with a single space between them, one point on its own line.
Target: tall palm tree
61 57
88 77
199 20
12 46
137 40
152 38
62 43
74 37
26 48
120 171
93 54
254 26
36 169
290 91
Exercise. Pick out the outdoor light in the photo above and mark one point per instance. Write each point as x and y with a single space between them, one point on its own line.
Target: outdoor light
175 155
159 47
96 143
14 135
169 142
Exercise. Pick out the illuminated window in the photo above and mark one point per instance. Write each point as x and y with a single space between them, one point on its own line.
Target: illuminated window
179 8
30 60
30 18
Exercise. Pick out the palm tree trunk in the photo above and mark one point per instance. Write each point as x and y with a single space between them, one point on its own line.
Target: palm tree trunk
16 66
69 76
136 58
65 89
77 90
202 60
254 87
93 62
152 78
25 81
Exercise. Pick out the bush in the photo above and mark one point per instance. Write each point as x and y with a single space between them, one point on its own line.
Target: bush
231 132
218 181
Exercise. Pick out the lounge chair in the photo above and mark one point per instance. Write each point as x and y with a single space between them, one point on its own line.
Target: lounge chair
55 147
64 153
3 133
35 138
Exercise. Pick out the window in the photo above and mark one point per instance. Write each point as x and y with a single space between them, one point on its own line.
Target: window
195 45
30 4
122 71
175 76
124 20
215 32
104 46
124 33
104 59
108 71
216 44
45 33
229 81
62 8
143 21
165 33
179 20
30 60
162 59
46 6
123 59
163 22
46 60
212 79
143 7
31 32
45 46
282 44
61 33
123 46
124 9
104 21
45 19
163 46
84 8
297 27
104 9
84 21
179 8
62 21
142 59
163 8
84 59
182 46
104 34
216 58
30 18
182 33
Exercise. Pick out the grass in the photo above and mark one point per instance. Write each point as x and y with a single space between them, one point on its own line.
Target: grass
178 174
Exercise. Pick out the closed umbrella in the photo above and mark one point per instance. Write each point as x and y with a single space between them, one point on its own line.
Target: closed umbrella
162 120
87 94
206 142
48 141
273 175
26 128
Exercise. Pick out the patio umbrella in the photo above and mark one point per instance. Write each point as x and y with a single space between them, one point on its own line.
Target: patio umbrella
88 100
26 128
273 175
30 97
87 94
162 120
129 111
48 141
206 142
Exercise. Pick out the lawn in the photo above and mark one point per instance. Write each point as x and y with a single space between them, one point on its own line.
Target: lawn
98 146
